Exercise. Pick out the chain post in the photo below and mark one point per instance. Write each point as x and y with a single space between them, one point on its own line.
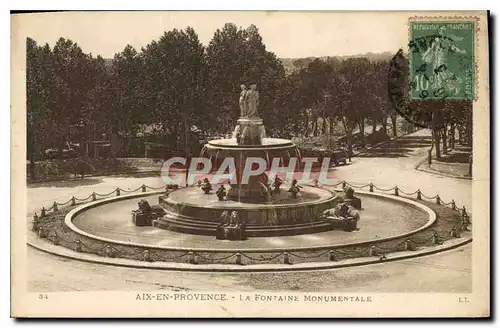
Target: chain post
286 258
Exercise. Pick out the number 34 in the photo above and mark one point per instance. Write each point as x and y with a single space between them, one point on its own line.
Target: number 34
43 296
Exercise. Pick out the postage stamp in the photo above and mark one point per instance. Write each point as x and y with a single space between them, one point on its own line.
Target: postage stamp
442 58
250 164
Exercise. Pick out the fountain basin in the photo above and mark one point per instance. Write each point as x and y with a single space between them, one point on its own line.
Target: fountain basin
191 211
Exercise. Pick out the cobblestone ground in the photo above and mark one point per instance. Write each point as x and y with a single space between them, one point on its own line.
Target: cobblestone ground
392 164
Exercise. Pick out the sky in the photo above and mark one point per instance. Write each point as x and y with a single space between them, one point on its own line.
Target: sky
287 34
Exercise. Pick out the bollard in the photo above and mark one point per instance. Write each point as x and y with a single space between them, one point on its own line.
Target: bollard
331 255
465 218
238 258
78 246
73 201
55 207
109 251
409 246
117 191
35 222
343 184
94 196
55 238
42 212
286 258
455 233
464 226
372 251
435 239
371 187
41 233
396 191
143 188
146 256
191 258
35 226
438 200
419 195
453 205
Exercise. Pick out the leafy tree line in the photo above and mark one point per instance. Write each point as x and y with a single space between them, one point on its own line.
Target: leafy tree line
175 83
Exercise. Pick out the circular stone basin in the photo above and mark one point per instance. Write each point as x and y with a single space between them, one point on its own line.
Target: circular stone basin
193 196
189 210
380 218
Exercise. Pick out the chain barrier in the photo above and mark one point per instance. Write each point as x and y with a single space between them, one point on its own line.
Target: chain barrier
347 253
311 256
65 203
175 257
82 199
156 188
390 249
211 258
262 258
106 195
429 198
359 187
385 190
147 255
407 193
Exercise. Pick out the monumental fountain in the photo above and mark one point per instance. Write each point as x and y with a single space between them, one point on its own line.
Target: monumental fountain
264 211
291 219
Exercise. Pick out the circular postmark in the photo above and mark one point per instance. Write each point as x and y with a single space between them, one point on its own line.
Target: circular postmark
415 112
434 82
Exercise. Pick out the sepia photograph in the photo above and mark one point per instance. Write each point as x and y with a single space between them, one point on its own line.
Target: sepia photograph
250 164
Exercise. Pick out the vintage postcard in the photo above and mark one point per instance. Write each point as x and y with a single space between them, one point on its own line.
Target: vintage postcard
250 164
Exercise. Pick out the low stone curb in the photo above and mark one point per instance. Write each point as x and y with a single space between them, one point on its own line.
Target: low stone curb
45 246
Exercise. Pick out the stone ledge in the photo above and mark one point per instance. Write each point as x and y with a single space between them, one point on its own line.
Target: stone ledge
45 246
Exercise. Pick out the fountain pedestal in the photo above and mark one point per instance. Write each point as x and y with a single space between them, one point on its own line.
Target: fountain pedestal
249 131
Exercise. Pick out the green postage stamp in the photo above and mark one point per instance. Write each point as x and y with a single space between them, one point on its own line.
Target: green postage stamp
442 58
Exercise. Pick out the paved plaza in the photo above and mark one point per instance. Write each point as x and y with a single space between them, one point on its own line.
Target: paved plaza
392 164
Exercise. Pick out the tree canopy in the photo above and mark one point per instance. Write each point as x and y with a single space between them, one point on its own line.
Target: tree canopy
174 83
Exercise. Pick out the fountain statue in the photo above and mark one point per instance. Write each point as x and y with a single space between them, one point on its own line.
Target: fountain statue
231 227
206 186
294 189
221 192
342 216
250 208
244 101
146 214
351 199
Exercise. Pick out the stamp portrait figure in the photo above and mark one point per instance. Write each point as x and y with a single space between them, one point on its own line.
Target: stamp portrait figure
437 56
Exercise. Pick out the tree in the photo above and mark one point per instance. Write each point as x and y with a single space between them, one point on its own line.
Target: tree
39 99
127 110
73 82
235 56
174 78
